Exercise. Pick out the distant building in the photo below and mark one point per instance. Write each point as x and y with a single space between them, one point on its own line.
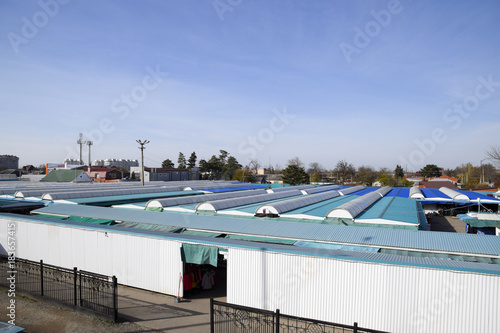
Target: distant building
437 184
66 176
444 178
72 161
104 174
28 168
165 175
66 166
117 163
9 162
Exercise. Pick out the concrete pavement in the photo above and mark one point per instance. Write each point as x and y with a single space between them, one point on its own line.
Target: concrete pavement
161 313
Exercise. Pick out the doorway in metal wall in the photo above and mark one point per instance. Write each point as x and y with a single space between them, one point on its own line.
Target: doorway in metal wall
206 280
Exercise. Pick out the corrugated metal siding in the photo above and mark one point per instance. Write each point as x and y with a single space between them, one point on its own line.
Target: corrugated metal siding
148 263
384 297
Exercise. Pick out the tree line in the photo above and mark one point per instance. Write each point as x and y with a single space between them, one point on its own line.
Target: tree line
224 166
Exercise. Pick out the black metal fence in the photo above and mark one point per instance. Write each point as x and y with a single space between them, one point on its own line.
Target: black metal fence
231 318
90 291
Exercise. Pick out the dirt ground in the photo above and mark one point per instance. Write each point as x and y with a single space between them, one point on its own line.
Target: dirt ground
41 317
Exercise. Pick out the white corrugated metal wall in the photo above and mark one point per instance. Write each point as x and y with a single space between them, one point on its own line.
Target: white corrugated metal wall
377 296
143 262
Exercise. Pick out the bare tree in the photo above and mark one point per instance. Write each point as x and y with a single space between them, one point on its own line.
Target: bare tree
314 167
385 171
344 170
488 173
254 165
494 154
295 161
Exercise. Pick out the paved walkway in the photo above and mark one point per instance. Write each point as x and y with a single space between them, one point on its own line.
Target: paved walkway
447 223
161 312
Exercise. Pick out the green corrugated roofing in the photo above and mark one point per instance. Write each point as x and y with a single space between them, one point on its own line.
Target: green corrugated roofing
435 263
436 241
61 176
262 239
199 233
79 219
319 245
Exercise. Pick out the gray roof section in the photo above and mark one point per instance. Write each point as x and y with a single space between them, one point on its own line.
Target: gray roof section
381 237
110 192
320 189
290 188
349 190
217 205
296 203
169 202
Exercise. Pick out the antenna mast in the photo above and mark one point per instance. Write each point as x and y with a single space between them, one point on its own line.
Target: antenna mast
89 143
80 142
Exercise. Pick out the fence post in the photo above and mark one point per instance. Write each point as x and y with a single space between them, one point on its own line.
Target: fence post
355 328
277 320
81 299
212 326
41 277
75 275
115 299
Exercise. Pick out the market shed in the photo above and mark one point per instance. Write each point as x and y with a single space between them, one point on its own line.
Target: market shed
328 284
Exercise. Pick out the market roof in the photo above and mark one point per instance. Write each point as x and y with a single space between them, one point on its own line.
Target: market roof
354 255
353 208
394 238
481 220
159 204
295 203
217 205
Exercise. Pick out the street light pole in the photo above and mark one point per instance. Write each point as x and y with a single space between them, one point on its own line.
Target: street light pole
481 177
142 143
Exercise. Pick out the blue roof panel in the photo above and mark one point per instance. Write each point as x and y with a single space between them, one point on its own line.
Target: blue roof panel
433 193
402 192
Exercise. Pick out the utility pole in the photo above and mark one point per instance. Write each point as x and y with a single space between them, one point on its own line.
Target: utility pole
80 142
89 143
142 143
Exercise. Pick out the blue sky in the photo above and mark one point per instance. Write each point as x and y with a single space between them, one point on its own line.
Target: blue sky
372 82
